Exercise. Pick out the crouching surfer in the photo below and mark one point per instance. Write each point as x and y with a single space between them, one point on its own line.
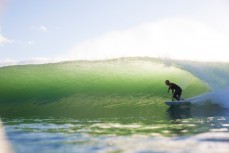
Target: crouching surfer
176 90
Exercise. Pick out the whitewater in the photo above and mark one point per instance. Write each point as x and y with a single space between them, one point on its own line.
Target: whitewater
114 105
216 76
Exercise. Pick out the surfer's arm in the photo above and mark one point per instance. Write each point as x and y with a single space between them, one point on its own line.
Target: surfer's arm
169 89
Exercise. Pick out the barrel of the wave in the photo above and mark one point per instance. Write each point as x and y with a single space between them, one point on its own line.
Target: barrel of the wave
5 146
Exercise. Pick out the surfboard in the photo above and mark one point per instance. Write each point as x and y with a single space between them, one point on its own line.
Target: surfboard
177 103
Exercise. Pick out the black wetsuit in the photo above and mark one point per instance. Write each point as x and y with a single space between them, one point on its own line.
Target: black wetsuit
176 90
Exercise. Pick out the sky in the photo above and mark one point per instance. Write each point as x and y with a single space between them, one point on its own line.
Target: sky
54 30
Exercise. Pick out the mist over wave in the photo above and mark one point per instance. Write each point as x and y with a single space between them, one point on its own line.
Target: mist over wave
11 62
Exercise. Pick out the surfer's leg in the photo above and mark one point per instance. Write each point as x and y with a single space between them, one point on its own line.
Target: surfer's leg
180 95
175 95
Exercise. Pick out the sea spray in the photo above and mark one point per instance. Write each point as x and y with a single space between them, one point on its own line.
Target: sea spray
213 74
219 97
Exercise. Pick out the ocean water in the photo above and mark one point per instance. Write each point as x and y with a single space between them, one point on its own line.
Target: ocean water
112 106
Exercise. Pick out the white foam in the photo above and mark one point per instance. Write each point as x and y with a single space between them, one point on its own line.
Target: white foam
220 97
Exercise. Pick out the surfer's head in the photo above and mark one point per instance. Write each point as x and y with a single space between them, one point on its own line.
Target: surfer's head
167 82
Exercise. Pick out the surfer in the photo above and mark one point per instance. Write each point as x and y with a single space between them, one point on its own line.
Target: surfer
176 90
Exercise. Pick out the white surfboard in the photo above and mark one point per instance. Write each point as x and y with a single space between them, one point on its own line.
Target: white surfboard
177 103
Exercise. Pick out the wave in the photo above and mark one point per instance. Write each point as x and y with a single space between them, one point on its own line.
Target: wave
118 86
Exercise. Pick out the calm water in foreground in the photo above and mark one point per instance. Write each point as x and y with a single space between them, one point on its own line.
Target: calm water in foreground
193 129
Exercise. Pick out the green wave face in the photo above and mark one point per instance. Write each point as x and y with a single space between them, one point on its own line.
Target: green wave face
91 88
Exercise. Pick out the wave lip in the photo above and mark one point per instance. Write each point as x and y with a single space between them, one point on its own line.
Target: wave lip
11 62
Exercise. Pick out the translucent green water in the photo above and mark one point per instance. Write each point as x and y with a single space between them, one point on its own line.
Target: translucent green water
78 89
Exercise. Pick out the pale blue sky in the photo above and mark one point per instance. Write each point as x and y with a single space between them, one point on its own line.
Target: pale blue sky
84 29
